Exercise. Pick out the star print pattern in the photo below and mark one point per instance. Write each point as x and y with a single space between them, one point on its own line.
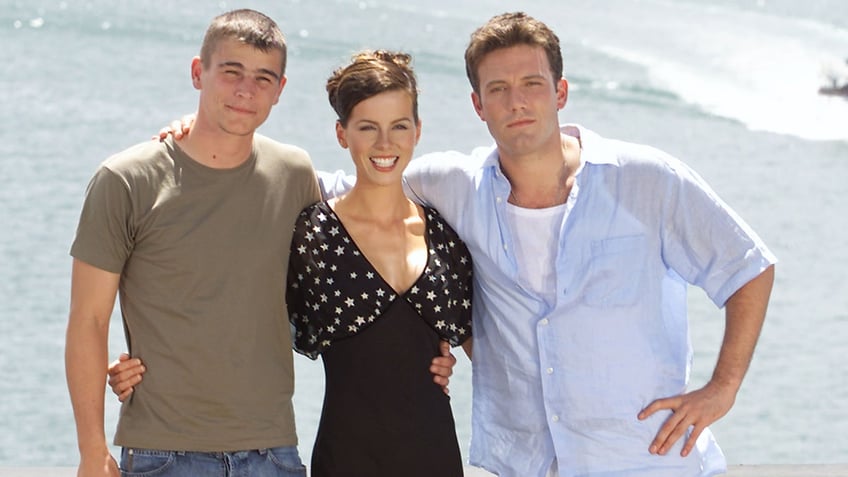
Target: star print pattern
334 292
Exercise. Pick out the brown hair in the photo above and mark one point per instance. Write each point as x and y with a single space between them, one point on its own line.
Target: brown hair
507 30
368 74
248 26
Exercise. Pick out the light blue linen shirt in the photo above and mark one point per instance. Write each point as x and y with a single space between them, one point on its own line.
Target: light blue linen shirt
566 381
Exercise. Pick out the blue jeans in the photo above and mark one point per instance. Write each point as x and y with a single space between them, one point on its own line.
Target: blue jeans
276 462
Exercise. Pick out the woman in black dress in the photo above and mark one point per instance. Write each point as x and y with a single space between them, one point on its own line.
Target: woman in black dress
375 283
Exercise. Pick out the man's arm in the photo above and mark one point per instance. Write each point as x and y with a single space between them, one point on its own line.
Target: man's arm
745 312
93 294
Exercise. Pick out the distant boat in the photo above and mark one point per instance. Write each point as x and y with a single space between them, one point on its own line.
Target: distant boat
834 91
835 75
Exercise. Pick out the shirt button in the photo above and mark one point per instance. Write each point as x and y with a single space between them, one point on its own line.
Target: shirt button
550 370
555 418
499 200
544 322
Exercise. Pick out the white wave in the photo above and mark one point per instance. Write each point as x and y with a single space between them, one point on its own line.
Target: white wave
761 70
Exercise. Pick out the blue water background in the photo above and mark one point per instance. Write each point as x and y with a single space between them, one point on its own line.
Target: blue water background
729 86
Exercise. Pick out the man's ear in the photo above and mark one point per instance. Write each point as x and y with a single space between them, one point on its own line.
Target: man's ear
283 81
478 105
196 69
562 93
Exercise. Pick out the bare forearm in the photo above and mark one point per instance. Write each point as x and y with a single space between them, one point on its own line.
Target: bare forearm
86 358
745 313
694 411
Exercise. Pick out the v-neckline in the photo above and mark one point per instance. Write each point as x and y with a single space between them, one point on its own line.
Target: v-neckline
371 266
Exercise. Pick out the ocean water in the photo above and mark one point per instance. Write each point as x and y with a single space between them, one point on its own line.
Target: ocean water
729 86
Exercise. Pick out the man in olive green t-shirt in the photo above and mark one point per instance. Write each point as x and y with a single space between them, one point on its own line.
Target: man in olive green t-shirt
195 238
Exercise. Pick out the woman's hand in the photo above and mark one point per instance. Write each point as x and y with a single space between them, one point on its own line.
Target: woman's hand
124 374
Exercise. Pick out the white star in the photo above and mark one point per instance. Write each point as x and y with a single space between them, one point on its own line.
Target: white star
322 264
316 228
338 310
380 292
364 296
350 302
302 249
437 309
353 275
413 290
440 324
352 328
325 247
370 275
323 298
334 231
309 237
322 217
360 320
330 281
466 303
431 296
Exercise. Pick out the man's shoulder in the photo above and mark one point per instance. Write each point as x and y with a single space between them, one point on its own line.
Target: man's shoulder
138 157
447 162
267 148
627 155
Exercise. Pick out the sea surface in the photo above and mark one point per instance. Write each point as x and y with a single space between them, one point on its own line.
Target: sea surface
729 86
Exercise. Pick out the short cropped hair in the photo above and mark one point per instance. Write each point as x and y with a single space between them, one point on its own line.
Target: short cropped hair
368 74
249 27
507 30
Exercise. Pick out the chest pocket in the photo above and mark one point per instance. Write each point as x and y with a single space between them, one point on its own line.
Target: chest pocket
615 273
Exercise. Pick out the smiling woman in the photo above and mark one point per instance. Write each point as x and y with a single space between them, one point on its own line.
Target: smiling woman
376 283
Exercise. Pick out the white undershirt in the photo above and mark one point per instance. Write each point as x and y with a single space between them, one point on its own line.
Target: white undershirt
536 251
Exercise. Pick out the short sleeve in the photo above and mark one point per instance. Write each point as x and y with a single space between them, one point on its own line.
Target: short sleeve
104 234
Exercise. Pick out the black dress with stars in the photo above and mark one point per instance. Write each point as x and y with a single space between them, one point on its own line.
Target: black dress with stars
383 415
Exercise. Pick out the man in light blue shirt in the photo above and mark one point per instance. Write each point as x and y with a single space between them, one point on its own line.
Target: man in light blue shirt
583 248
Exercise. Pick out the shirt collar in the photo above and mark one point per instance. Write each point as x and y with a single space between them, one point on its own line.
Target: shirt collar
593 147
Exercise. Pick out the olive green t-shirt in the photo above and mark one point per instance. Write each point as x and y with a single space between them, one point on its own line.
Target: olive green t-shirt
202 255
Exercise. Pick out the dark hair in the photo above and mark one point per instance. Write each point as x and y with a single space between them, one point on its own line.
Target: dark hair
507 30
368 74
249 27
